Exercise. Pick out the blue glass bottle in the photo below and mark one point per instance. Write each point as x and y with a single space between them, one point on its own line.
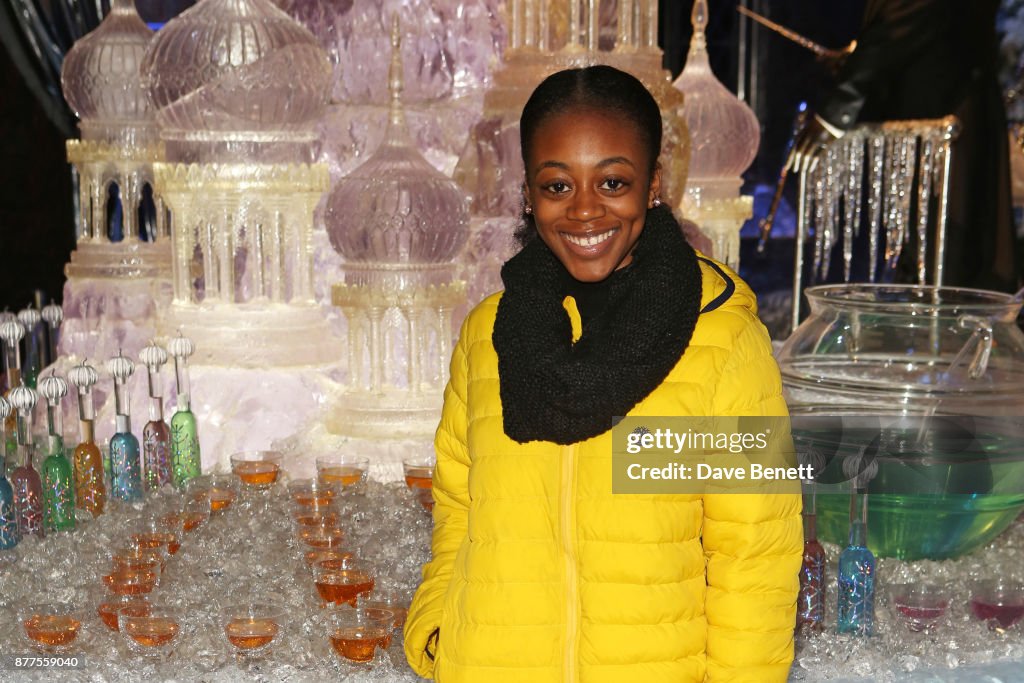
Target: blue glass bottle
9 535
856 611
125 458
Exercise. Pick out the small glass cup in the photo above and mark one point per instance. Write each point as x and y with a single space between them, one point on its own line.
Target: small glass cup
342 581
195 513
221 490
919 605
130 581
392 599
348 471
314 557
419 477
257 470
154 633
51 627
133 557
320 516
312 493
319 537
158 531
355 634
999 603
110 607
252 627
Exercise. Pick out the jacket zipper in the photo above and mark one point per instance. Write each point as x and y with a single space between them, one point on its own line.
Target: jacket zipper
569 546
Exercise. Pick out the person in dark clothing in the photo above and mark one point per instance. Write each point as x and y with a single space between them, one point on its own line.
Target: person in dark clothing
925 59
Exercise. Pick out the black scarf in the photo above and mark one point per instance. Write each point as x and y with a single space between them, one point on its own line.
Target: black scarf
555 390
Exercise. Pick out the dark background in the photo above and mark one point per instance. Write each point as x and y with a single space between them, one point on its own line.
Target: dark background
36 210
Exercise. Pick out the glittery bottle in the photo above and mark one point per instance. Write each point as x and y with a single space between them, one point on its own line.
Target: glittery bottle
156 436
28 487
9 535
58 476
185 457
90 490
125 459
811 602
856 612
12 331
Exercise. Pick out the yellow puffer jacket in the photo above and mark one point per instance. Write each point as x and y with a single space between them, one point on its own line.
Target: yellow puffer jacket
541 574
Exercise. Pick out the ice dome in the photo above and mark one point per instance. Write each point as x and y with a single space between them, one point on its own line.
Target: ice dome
724 132
233 67
396 208
101 78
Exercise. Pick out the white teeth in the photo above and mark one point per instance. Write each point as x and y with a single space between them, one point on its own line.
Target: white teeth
591 241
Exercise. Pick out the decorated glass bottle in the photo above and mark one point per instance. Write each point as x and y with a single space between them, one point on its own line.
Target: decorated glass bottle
58 476
125 459
53 316
30 367
28 487
156 436
90 490
856 612
12 331
9 535
811 603
185 457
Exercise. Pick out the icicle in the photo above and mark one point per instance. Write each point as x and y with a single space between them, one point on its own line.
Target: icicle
817 177
890 205
876 157
832 171
924 195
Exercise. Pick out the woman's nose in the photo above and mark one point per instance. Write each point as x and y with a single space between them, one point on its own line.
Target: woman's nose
585 205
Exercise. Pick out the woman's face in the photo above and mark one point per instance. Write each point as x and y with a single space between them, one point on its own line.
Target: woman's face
589 182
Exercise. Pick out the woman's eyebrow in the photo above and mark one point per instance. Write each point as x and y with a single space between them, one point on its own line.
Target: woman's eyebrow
601 164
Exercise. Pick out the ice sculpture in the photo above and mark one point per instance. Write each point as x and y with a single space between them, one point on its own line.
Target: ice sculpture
238 87
544 37
117 278
399 225
724 135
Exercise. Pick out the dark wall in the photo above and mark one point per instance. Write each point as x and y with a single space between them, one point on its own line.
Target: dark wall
36 215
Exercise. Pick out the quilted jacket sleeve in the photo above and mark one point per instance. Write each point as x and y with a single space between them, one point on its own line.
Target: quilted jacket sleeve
753 543
451 512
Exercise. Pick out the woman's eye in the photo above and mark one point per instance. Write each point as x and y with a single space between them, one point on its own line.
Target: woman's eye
557 187
613 184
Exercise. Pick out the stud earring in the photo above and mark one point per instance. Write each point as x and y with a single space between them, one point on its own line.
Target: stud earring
656 203
528 210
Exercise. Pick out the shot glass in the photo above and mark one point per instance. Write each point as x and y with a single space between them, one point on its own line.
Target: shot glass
348 471
313 493
155 633
319 537
221 490
133 557
252 627
999 603
419 477
919 605
111 606
342 581
257 470
315 557
157 531
51 627
130 581
355 634
394 600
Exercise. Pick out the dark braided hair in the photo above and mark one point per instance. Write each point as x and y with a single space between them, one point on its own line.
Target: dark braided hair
602 89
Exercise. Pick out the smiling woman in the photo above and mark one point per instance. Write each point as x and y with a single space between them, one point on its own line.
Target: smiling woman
539 572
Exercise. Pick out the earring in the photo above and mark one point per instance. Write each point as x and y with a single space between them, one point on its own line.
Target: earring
528 210
656 203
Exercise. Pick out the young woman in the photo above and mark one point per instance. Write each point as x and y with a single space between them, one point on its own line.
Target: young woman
539 572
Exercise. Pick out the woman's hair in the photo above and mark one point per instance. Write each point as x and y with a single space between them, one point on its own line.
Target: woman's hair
602 89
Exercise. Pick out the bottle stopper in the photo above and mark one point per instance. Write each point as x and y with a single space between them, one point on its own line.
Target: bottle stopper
84 377
54 389
24 400
181 348
121 369
53 315
154 358
29 317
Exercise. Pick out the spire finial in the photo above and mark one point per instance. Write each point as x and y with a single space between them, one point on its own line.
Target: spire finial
699 20
398 131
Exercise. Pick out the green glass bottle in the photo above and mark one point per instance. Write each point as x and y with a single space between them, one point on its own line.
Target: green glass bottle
186 463
58 475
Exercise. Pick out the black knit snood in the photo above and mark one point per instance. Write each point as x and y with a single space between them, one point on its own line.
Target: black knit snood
555 390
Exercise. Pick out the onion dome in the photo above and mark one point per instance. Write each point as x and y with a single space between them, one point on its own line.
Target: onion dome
101 77
53 315
153 357
181 347
53 389
7 315
12 331
29 317
120 368
396 208
23 399
236 65
724 132
5 410
83 376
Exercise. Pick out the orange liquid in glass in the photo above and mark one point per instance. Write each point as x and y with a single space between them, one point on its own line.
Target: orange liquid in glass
108 612
356 644
321 538
325 519
127 582
156 539
221 499
343 586
334 556
152 632
135 563
51 629
418 479
341 474
192 521
257 473
249 634
311 500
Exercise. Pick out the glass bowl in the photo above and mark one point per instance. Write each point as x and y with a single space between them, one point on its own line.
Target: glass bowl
313 493
257 469
355 634
919 605
999 603
348 471
155 633
252 627
52 627
342 581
